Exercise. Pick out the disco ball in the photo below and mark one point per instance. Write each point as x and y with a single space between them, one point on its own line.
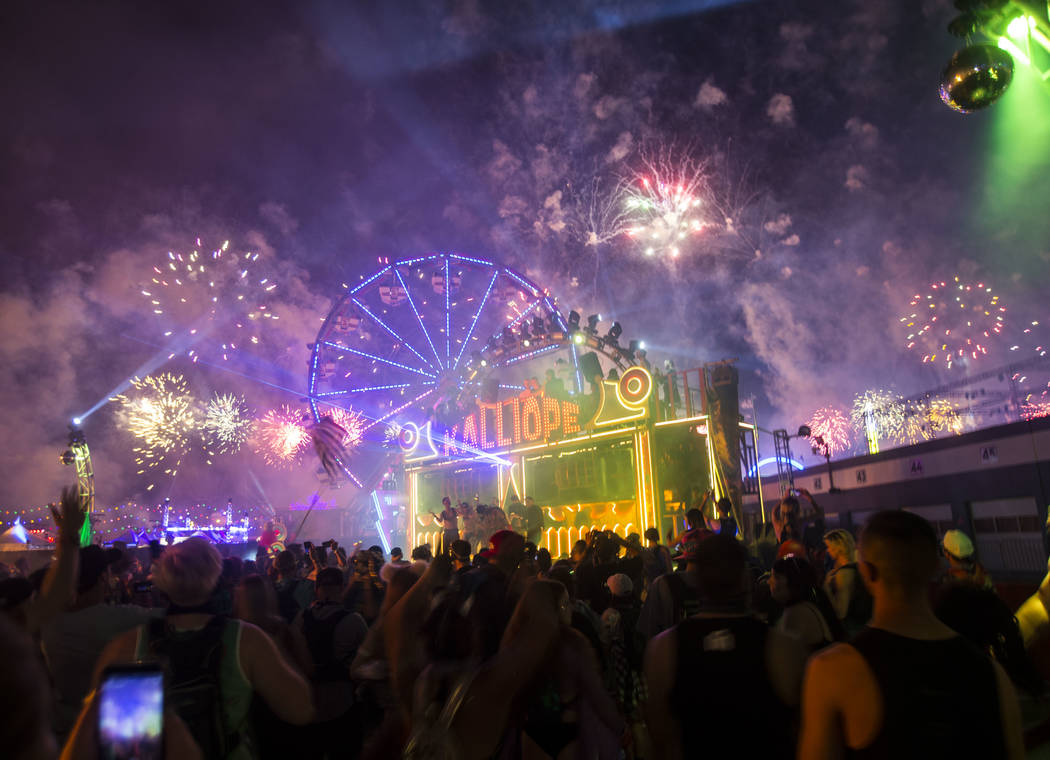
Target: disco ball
976 77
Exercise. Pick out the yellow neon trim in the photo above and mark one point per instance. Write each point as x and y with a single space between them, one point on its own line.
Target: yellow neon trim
569 441
698 418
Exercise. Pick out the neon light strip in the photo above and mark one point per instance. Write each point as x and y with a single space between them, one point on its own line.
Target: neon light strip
339 347
568 441
477 314
412 303
373 278
420 260
390 330
382 537
529 355
698 418
524 313
576 364
528 286
772 460
379 510
329 394
388 415
448 316
461 257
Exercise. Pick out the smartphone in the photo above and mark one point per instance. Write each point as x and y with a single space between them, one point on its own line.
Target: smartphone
131 712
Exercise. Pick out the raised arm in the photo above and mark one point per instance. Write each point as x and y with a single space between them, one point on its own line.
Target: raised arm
60 580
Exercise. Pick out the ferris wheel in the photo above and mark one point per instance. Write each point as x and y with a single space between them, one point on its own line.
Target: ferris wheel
429 337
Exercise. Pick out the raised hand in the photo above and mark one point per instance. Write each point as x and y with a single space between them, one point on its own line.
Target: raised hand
71 515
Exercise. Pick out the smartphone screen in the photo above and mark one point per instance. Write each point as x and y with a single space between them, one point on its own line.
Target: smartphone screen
131 714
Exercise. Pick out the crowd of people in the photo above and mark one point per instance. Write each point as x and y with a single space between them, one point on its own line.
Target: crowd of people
795 642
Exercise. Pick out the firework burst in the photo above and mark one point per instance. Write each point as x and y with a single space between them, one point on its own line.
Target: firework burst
226 423
217 301
281 436
878 414
349 420
832 426
664 204
1032 409
160 414
953 321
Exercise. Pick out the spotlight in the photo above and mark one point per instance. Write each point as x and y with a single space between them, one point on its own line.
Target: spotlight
574 321
615 331
592 323
76 421
578 338
804 431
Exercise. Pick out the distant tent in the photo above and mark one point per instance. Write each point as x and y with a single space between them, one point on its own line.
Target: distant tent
18 537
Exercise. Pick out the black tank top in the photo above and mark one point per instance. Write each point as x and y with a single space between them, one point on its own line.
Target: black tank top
722 695
940 698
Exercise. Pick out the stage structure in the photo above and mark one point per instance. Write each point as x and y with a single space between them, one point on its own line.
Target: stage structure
78 454
471 373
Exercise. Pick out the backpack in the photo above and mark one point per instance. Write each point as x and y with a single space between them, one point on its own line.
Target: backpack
686 600
287 604
193 662
319 634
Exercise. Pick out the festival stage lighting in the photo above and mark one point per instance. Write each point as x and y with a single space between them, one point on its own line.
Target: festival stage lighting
574 321
804 431
76 421
614 332
578 338
592 323
1018 28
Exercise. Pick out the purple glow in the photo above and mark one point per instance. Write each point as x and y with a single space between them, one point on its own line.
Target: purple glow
477 314
338 347
390 330
415 311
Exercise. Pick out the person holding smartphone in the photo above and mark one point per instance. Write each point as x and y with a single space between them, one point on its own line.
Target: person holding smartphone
213 665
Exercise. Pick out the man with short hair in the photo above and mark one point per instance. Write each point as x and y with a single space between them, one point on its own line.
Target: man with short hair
533 521
293 593
758 670
333 635
449 522
460 557
906 686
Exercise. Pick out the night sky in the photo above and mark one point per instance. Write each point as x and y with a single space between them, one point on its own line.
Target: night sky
327 137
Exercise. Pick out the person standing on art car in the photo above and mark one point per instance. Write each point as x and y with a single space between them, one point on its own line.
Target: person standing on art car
533 521
449 522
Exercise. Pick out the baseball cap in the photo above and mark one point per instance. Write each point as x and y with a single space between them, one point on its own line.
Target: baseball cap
958 544
620 585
